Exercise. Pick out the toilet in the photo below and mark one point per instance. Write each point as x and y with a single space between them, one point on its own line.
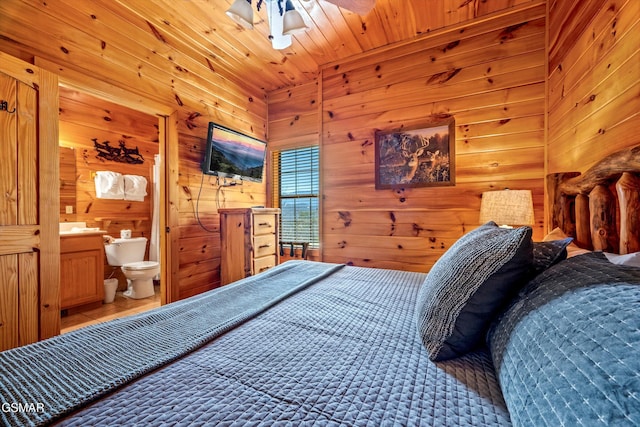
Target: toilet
128 254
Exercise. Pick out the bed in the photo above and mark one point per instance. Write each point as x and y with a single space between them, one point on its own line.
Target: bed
502 331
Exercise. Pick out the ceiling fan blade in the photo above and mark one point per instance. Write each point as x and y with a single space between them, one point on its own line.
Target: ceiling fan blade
361 7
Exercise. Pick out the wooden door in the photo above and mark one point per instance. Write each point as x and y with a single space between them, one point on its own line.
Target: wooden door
29 180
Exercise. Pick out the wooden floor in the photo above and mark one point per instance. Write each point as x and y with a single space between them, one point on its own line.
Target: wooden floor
120 307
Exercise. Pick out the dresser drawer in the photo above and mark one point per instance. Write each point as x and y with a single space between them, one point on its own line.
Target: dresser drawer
264 245
263 263
264 224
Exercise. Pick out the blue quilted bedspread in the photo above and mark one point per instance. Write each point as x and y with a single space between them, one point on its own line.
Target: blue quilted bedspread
343 352
52 377
567 352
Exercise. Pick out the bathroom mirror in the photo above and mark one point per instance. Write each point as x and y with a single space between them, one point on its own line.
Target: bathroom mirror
67 184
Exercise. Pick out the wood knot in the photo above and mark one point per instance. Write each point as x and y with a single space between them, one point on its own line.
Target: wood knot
345 217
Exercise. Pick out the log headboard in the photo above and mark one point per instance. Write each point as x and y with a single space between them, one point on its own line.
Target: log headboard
600 208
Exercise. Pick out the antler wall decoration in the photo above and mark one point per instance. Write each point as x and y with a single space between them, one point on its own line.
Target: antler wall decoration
117 154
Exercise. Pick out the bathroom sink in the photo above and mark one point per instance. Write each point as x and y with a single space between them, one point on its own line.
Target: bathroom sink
84 230
67 228
81 231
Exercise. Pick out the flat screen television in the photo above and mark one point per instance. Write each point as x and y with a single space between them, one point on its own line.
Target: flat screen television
231 154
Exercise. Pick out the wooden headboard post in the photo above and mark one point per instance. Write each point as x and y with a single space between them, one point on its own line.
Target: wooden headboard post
583 222
561 205
600 208
604 229
628 189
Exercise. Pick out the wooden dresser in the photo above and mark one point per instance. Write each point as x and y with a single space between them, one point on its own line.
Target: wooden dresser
249 242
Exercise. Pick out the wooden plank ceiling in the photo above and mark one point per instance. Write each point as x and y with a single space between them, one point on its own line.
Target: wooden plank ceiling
197 37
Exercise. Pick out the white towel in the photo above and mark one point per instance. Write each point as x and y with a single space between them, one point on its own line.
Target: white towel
109 185
135 187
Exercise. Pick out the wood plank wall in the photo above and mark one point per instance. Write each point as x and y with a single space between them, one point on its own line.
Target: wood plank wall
98 46
496 98
83 118
294 122
67 183
490 77
594 81
200 198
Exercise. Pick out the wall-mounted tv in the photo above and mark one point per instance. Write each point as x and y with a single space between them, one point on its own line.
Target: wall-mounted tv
230 154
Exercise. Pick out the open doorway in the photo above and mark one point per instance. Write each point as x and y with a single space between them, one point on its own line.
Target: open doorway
99 136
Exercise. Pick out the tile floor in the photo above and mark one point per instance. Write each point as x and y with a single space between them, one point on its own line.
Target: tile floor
120 307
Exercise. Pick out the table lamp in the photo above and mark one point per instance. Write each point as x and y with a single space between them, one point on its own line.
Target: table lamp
507 208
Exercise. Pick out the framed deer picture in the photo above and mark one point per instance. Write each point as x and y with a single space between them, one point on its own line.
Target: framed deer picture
416 157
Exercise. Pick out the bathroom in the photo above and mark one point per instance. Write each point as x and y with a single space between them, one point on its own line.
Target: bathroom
98 136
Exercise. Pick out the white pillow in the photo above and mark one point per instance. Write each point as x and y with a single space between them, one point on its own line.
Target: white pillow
572 249
626 259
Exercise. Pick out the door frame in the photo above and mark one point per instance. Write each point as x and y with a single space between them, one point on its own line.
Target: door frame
168 149
39 309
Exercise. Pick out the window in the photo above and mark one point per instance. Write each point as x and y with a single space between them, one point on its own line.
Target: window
296 193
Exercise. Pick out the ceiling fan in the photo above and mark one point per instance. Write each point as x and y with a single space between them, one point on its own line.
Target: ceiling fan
361 7
284 19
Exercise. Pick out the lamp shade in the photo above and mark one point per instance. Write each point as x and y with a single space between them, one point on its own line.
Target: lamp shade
507 207
241 12
278 40
292 21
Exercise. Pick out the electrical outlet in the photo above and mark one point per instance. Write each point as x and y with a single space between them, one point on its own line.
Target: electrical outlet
68 209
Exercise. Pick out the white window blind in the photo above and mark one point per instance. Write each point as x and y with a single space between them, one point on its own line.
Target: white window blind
296 193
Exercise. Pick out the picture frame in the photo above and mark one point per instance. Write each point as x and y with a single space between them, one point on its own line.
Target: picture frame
422 156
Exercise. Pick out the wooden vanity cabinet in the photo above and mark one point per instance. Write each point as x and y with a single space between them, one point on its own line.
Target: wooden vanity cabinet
81 270
249 242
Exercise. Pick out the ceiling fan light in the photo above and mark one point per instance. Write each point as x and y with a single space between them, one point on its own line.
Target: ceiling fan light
278 40
292 21
241 12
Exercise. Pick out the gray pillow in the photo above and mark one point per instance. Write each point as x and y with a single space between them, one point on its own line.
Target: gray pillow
468 285
546 254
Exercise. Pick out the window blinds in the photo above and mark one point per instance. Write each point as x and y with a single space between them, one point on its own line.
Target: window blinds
297 193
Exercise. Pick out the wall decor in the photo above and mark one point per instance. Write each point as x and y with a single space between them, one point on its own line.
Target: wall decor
117 154
417 157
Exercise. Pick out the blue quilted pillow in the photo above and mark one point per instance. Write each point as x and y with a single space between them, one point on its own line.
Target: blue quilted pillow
468 285
566 350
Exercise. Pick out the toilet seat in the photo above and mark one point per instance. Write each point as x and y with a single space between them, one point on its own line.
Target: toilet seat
140 265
